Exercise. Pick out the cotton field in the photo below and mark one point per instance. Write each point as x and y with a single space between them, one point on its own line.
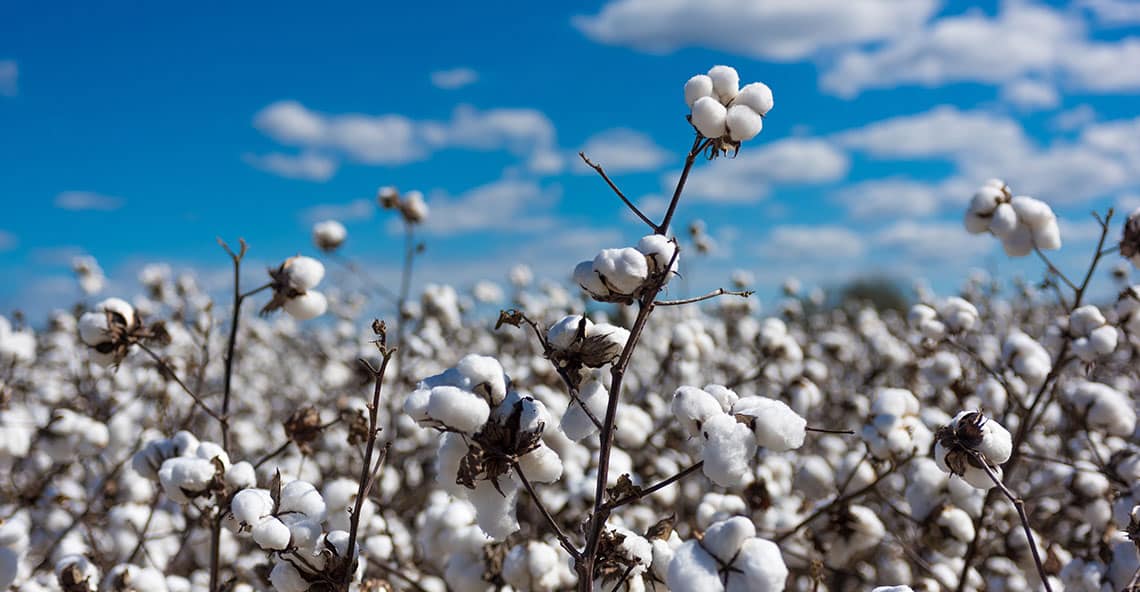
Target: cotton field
599 435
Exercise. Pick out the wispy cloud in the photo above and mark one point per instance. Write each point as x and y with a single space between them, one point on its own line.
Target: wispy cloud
748 178
9 78
353 211
514 205
454 78
622 151
88 200
308 165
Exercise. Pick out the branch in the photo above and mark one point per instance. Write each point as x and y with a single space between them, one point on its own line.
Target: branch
169 372
699 144
562 538
606 178
641 494
709 296
1020 505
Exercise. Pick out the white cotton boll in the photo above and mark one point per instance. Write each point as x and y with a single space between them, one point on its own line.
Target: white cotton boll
986 199
709 117
724 395
1047 237
920 314
93 328
458 409
1103 340
726 83
959 314
775 425
725 538
743 123
541 464
1004 221
698 86
1084 319
624 270
661 252
534 567
241 475
303 498
86 572
494 511
693 570
576 424
309 305
329 235
561 334
414 208
761 568
183 477
1028 358
452 449
728 447
1105 408
976 223
304 273
1018 243
271 534
618 336
692 407
286 578
485 372
635 427
942 369
756 96
589 280
416 405
1034 213
211 451
250 506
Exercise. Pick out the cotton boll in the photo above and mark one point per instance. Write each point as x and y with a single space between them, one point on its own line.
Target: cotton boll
1004 221
1084 319
1102 340
728 447
304 273
693 570
1104 408
303 498
250 506
756 96
271 534
1047 236
709 117
416 405
775 425
761 568
309 305
541 464
976 223
576 424
1033 213
494 511
561 334
414 209
241 476
986 200
726 83
725 538
458 409
661 252
693 406
617 336
286 578
959 314
74 573
485 372
1027 358
624 270
635 427
589 280
1019 242
743 123
329 235
183 477
698 86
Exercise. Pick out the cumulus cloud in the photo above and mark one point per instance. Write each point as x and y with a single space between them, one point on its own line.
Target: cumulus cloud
812 242
1074 118
454 78
390 139
87 200
307 165
930 241
1113 12
780 30
749 177
506 204
895 197
9 75
1031 95
622 151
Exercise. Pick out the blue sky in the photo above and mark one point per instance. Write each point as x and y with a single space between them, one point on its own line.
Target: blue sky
138 132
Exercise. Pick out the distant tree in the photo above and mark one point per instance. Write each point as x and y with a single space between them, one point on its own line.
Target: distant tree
879 291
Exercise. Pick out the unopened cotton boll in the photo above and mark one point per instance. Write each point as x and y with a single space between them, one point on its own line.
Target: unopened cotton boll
726 83
756 96
698 86
309 305
743 123
710 117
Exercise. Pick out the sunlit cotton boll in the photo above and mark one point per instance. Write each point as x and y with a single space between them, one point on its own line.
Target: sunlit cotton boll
743 123
698 86
726 82
728 447
309 305
1103 407
624 270
710 117
304 273
756 96
774 424
329 235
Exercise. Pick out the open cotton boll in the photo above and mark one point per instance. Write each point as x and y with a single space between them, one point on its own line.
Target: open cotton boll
693 570
75 572
286 578
589 280
304 273
723 395
1028 358
1047 236
986 199
576 424
710 117
1084 319
725 538
1104 408
728 446
614 334
743 123
624 270
1018 243
309 305
661 252
959 314
693 406
698 86
535 567
329 235
250 506
775 425
458 409
183 477
240 475
561 334
485 374
541 464
1003 221
726 82
756 96
301 497
976 223
494 511
759 567
271 534
1034 213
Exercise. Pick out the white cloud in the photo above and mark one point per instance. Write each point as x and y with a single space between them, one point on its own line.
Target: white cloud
506 204
1114 12
943 132
87 200
1074 118
8 241
454 78
1126 204
931 241
353 211
749 177
395 139
1103 67
307 165
9 76
816 243
622 151
1031 94
891 198
782 30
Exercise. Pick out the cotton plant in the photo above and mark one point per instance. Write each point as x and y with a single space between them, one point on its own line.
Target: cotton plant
973 446
1020 222
729 557
1092 336
113 328
492 438
623 275
724 111
411 205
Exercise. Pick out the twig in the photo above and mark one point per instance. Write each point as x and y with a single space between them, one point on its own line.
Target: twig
1020 506
709 296
562 538
829 431
699 144
168 372
840 500
641 494
606 178
1053 269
